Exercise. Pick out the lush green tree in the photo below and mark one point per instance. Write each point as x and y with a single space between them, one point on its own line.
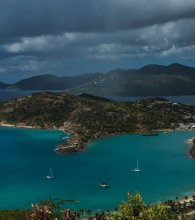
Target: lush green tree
160 212
135 209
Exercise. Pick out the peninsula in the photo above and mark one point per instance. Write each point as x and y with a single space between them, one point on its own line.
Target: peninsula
88 117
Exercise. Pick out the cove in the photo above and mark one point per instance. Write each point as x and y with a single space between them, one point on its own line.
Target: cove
27 154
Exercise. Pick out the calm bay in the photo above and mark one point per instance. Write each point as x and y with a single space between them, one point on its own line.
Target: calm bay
27 154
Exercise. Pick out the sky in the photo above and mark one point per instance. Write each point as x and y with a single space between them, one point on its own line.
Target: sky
70 37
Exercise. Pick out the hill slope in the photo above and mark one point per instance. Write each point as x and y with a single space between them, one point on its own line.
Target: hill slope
3 85
92 117
51 82
151 80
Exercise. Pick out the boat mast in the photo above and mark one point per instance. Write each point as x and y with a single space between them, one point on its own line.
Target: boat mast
51 174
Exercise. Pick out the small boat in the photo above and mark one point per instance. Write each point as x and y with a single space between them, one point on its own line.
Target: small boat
104 184
150 134
167 132
137 168
50 176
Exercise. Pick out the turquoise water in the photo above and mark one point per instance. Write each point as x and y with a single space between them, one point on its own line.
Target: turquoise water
25 157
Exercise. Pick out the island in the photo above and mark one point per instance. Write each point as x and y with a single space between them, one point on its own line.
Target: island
89 117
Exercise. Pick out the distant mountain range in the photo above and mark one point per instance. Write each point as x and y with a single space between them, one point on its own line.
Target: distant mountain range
50 82
150 80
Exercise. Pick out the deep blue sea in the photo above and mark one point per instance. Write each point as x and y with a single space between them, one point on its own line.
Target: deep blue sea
26 155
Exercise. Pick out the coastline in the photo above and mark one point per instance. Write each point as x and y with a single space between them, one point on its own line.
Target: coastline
64 148
75 144
2 124
17 126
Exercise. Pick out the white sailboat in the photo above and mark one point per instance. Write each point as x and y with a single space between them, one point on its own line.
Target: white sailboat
137 168
50 176
167 132
104 184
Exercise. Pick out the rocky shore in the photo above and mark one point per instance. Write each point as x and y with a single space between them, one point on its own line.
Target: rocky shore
192 149
74 143
72 146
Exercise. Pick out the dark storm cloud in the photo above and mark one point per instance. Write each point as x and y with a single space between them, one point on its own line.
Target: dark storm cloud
136 42
23 18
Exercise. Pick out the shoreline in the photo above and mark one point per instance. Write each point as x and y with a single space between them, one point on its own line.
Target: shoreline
75 144
6 125
63 148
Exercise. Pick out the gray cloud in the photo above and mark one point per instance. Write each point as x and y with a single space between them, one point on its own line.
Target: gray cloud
155 39
39 17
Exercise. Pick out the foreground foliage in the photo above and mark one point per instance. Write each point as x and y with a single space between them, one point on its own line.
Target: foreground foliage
135 208
132 209
12 215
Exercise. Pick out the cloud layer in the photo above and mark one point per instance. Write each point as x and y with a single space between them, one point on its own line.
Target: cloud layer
72 36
